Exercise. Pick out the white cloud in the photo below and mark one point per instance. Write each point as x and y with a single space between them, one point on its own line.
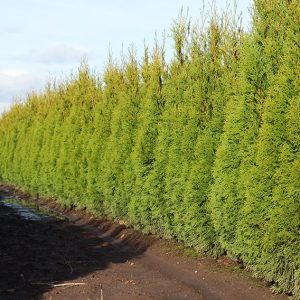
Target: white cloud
4 106
10 29
60 54
9 73
16 83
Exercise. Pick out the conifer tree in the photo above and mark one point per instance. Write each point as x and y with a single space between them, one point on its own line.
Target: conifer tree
96 163
218 72
259 181
51 121
235 153
120 142
263 225
73 158
142 155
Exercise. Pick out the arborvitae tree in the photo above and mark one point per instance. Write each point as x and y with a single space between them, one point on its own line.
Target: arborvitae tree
259 181
74 146
112 83
53 168
28 146
120 142
90 94
142 155
10 121
283 234
274 218
235 153
76 132
217 70
280 261
16 159
179 113
37 139
93 96
160 211
68 132
133 90
51 121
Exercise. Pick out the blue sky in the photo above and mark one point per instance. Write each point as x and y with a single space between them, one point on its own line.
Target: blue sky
42 39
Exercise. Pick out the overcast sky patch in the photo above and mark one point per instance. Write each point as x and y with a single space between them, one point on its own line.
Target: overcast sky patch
16 83
62 54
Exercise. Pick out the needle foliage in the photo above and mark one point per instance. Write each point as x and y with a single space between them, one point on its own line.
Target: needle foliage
202 147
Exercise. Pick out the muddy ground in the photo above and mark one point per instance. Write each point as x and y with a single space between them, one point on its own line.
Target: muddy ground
80 257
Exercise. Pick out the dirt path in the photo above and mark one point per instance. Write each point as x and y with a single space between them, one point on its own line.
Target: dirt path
109 261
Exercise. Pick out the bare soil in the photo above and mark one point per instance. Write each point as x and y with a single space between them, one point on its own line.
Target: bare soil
108 260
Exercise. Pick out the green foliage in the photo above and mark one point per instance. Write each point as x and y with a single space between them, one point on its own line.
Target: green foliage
141 159
203 149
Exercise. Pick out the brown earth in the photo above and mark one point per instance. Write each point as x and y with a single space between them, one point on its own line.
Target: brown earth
108 260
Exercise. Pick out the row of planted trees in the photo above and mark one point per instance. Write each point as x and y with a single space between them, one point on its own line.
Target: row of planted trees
204 148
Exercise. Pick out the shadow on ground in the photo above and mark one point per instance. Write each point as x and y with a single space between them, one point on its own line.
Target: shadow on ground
36 254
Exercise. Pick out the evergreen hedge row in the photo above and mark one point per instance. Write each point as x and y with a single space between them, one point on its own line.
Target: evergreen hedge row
204 148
